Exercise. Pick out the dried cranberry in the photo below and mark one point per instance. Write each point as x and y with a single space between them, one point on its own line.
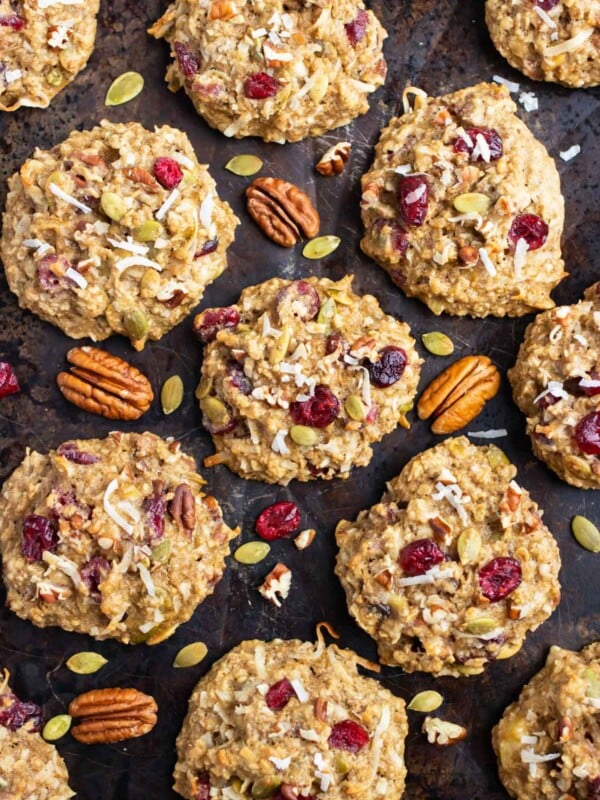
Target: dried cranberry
348 735
155 507
14 715
49 280
413 195
318 411
419 557
168 172
529 227
491 136
356 29
573 386
499 578
260 86
214 320
546 5
8 380
39 534
399 239
238 379
389 368
298 300
398 277
70 451
387 230
280 694
593 789
208 247
587 434
93 573
202 787
14 21
278 521
189 64
335 341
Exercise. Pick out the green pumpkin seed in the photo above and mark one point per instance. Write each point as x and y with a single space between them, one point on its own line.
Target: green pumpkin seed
321 246
496 456
86 663
252 552
472 202
469 545
426 701
280 347
464 669
56 727
136 324
480 625
341 765
593 682
149 284
171 394
148 231
244 165
204 388
162 552
438 344
215 410
190 655
303 435
113 205
124 88
263 789
327 312
586 533
54 76
355 408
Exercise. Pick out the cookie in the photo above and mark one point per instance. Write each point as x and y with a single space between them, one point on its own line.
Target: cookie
111 537
279 69
44 45
462 206
556 384
116 230
29 766
290 720
548 742
453 567
301 377
548 40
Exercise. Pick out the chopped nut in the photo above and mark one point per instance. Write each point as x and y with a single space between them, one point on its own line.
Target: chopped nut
442 732
277 582
469 255
333 161
305 538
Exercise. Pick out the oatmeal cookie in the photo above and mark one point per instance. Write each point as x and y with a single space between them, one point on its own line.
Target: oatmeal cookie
44 44
111 537
291 720
548 40
116 230
279 69
301 377
556 384
29 766
453 567
462 206
548 741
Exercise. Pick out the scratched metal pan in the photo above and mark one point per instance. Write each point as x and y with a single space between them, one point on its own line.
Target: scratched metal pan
440 47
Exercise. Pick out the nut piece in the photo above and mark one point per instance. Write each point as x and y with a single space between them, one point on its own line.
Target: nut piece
277 582
283 211
105 384
112 715
333 161
305 538
459 393
183 508
441 732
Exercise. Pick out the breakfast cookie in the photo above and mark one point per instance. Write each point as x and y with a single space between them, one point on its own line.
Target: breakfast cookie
116 230
556 384
43 45
548 40
462 206
111 537
548 741
278 69
301 377
29 766
291 720
453 567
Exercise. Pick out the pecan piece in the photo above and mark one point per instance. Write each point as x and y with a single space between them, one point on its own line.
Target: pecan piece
183 508
105 384
112 715
333 161
283 211
459 393
441 732
141 175
277 582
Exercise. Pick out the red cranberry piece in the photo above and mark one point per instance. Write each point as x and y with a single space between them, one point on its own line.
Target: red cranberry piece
14 21
318 411
260 86
214 320
389 368
168 172
593 789
278 521
238 378
413 194
189 64
491 136
93 573
348 735
202 787
573 386
298 300
155 507
398 277
14 715
70 451
385 229
208 247
419 557
49 280
499 578
8 380
335 341
356 29
587 434
529 227
546 5
280 694
39 534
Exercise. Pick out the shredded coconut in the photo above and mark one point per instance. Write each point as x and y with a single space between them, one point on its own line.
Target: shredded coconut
130 246
487 262
58 192
278 444
12 75
37 245
147 579
301 692
528 100
167 204
529 757
521 250
184 161
403 169
76 277
544 16
453 494
570 45
137 261
112 511
281 763
482 149
555 388
581 339
493 433
510 85
572 152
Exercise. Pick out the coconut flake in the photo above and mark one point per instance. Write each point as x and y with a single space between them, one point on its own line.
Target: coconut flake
301 693
112 511
466 138
521 250
482 149
529 757
403 169
281 763
555 388
37 245
63 564
76 277
130 246
309 734
487 262
416 194
588 383
581 339
555 334
571 153
384 722
492 433
12 75
206 211
278 444
570 45
430 576
184 161
167 204
510 85
147 579
544 16
529 101
137 261
454 495
58 192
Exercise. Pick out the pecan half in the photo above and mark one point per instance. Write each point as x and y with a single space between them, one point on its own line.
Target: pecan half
333 161
183 508
459 393
283 211
105 384
112 715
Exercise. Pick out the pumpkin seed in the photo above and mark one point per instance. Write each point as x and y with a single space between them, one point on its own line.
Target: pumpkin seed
190 655
113 205
426 701
281 345
508 650
56 727
342 767
264 788
438 344
321 246
244 165
148 231
171 394
480 625
355 408
319 86
469 545
252 552
159 634
215 410
124 88
303 435
496 456
136 324
593 682
204 388
149 284
54 76
327 312
464 669
86 663
472 202
586 533
162 552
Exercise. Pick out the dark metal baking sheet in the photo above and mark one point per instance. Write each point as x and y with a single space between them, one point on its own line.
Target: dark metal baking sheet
440 47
